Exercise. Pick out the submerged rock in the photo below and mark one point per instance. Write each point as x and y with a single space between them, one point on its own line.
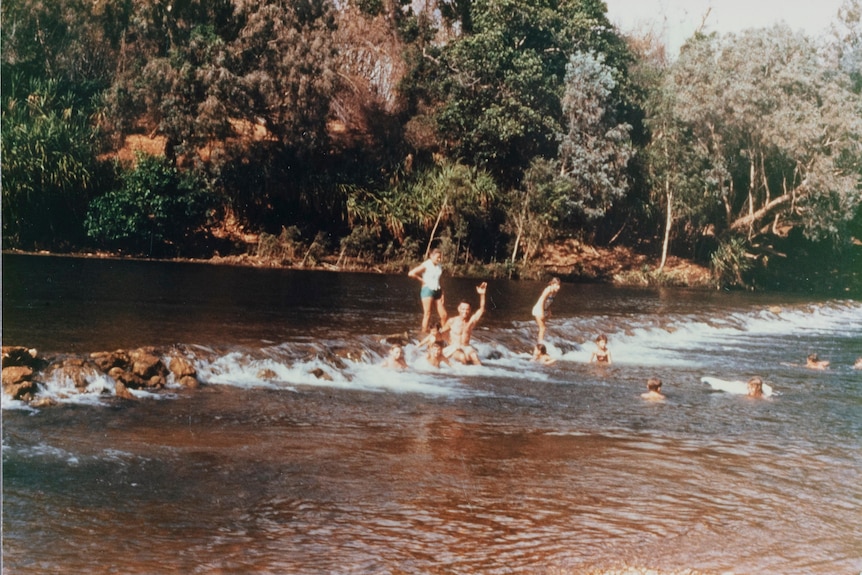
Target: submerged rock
320 374
122 391
266 374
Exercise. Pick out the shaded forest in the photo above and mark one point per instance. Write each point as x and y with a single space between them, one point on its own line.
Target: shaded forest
374 129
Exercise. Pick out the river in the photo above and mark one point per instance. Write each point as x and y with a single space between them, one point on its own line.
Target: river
508 467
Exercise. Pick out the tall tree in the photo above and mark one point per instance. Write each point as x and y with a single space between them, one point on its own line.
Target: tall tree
502 81
847 41
589 172
675 170
781 130
596 147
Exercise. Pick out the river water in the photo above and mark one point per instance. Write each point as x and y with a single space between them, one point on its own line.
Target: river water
507 467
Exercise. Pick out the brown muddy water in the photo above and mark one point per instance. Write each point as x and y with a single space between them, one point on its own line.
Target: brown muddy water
505 468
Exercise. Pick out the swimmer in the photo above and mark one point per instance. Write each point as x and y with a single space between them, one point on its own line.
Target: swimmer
435 355
395 359
541 311
428 273
814 362
434 336
460 329
858 364
653 392
602 353
755 387
540 355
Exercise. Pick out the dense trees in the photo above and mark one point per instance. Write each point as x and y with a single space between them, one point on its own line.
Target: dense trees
757 136
488 127
49 165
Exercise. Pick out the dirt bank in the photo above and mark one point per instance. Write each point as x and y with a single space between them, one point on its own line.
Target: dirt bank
571 260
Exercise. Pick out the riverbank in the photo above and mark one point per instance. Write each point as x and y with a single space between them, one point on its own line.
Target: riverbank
571 260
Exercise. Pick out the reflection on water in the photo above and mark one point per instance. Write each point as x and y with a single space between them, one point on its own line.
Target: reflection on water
501 469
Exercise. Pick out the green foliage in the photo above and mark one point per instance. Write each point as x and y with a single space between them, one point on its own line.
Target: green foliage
847 42
731 262
48 165
451 198
362 241
518 117
778 134
65 41
156 205
596 149
560 197
282 248
501 85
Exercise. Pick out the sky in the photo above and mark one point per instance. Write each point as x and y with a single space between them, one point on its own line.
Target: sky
676 20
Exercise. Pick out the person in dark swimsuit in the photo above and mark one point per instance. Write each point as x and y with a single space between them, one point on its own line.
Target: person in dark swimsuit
602 353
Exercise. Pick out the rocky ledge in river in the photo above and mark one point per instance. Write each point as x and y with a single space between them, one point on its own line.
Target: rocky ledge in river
24 370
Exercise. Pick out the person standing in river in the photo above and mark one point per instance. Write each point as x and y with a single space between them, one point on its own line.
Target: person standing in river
428 273
460 329
541 311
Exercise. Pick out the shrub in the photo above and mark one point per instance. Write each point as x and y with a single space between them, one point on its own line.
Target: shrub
282 248
156 206
48 166
730 262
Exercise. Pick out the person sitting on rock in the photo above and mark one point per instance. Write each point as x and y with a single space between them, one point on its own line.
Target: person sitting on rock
460 329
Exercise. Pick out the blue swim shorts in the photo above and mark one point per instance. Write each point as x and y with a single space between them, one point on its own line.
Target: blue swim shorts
432 293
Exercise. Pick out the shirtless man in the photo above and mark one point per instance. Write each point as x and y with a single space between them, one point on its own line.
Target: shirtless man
460 330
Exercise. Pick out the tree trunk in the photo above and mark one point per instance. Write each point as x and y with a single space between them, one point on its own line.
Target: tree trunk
436 224
669 195
751 184
517 241
522 217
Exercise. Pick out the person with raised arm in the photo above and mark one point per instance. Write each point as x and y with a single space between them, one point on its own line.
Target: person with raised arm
460 329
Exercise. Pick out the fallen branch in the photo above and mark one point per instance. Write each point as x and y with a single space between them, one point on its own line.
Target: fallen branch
748 221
